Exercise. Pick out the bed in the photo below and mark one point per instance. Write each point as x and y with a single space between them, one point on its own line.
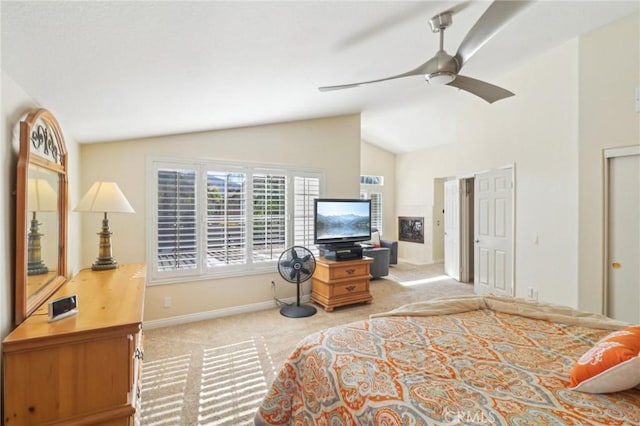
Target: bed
462 360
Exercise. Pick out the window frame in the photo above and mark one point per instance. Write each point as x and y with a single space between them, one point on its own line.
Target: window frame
202 271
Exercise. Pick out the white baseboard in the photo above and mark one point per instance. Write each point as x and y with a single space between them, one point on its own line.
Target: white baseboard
217 313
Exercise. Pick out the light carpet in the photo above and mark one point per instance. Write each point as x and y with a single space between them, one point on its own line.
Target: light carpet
216 372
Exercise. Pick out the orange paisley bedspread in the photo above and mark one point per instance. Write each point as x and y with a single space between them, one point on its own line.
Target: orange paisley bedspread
478 367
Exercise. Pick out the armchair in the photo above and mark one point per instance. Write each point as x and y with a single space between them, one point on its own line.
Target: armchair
380 265
393 250
392 245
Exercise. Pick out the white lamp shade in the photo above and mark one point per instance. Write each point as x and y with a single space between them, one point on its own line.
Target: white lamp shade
104 197
41 196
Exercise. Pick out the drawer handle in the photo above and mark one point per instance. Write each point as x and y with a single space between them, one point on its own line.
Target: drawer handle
350 271
351 288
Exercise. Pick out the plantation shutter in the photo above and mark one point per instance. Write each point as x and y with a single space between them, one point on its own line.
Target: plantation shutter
305 190
376 211
226 218
176 245
269 217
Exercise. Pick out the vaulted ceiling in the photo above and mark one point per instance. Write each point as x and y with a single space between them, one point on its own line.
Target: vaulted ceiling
116 70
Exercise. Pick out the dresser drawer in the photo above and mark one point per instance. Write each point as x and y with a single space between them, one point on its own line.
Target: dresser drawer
353 287
349 271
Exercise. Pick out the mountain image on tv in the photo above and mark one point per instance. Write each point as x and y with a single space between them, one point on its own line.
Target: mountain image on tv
340 226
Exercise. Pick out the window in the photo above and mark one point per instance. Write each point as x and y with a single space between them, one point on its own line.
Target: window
176 219
376 208
371 180
367 182
306 189
213 219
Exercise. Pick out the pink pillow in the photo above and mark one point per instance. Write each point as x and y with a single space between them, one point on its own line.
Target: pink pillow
612 365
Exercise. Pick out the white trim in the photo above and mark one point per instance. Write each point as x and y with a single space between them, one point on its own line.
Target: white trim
217 313
622 151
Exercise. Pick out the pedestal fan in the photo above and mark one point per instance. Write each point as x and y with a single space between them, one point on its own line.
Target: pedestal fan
296 265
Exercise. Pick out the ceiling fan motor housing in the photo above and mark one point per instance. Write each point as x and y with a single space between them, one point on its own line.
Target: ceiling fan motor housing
441 69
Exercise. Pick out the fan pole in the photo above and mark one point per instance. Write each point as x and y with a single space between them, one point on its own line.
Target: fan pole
298 311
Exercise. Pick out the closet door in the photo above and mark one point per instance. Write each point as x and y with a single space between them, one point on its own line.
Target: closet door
623 245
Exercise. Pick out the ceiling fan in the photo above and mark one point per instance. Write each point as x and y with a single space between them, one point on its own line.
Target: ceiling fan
443 69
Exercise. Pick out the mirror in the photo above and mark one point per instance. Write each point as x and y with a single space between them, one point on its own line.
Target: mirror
41 212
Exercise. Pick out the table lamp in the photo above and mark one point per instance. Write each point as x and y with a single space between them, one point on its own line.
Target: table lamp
41 197
105 197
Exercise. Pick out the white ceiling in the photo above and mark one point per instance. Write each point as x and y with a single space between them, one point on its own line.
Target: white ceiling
117 70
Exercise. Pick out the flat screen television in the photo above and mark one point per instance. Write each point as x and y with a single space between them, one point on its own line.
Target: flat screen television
341 222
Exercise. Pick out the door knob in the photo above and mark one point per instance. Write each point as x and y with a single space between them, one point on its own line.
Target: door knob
616 265
476 240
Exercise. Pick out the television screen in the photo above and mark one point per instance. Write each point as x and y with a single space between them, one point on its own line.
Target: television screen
342 221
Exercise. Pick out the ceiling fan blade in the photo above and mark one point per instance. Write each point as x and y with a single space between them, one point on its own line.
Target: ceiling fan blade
421 70
491 21
482 89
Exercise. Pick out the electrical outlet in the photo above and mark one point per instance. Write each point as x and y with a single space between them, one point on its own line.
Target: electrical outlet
166 302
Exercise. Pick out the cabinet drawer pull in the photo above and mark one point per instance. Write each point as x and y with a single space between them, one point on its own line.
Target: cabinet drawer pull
350 288
350 271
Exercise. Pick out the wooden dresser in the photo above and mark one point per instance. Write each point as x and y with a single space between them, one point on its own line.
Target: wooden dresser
82 369
339 283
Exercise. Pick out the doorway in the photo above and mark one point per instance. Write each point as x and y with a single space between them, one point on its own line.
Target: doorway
479 228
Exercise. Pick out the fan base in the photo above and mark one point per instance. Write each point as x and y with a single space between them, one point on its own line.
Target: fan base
298 311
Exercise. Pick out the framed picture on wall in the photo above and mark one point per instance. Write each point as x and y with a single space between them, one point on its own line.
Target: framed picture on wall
411 229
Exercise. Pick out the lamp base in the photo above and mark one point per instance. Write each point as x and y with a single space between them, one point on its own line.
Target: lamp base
104 263
36 268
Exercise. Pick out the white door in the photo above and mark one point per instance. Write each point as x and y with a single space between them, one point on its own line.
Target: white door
493 225
623 269
451 229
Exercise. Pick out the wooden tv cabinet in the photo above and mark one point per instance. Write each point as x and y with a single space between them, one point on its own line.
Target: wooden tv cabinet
82 369
339 283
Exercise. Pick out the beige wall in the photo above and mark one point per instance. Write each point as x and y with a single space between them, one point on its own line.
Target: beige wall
568 106
376 161
536 132
415 174
609 74
331 145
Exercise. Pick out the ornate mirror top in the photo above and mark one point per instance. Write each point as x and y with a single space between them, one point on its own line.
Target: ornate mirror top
44 142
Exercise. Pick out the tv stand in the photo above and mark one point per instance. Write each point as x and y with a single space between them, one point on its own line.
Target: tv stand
341 283
339 252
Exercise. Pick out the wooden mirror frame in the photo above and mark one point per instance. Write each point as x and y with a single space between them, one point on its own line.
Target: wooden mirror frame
42 147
